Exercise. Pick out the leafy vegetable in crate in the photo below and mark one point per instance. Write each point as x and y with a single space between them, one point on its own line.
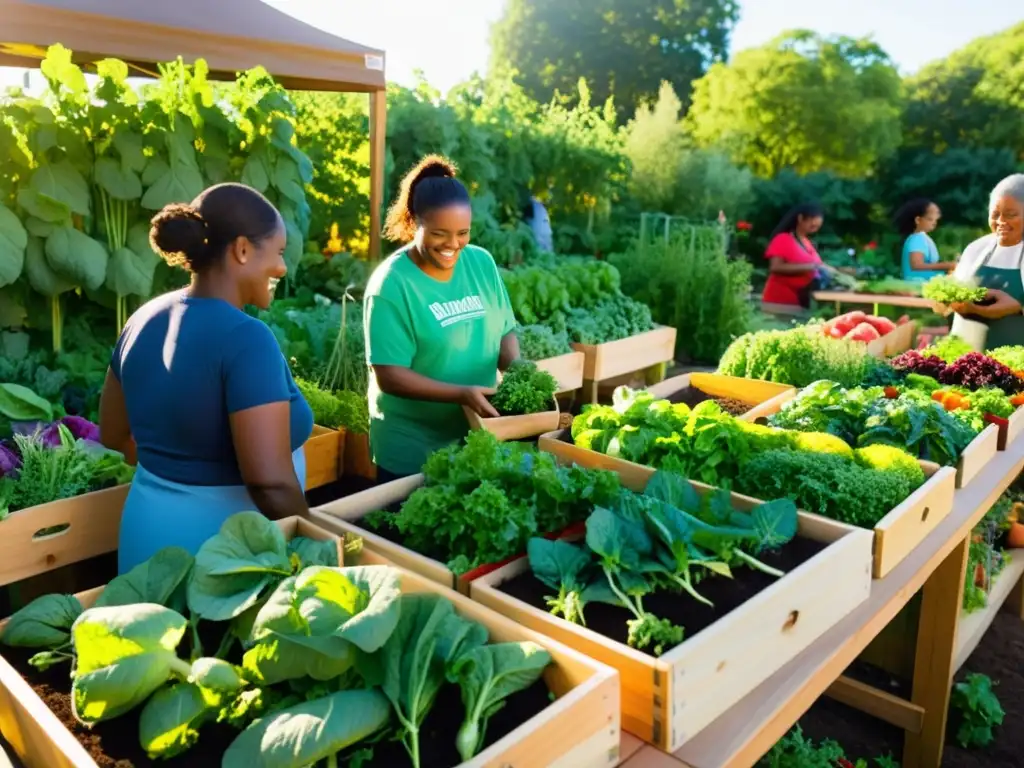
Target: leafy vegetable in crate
947 290
524 389
1012 357
330 654
539 342
483 501
669 538
948 348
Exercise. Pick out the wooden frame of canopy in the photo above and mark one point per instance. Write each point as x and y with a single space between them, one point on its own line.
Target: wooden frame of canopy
231 35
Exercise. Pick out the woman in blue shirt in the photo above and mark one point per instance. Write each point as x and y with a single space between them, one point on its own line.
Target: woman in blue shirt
198 390
920 255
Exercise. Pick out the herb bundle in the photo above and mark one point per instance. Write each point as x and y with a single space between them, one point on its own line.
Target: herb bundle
524 389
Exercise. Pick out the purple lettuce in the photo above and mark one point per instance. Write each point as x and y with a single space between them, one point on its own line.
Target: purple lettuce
9 461
80 429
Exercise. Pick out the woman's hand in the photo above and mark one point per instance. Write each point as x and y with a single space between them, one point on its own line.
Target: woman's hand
1003 305
475 398
944 309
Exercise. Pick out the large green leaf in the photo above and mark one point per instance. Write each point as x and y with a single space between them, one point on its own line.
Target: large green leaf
233 568
169 723
44 623
19 403
13 239
255 173
40 274
152 581
129 148
129 273
77 257
180 183
293 244
44 208
302 735
313 622
62 182
124 653
118 182
287 179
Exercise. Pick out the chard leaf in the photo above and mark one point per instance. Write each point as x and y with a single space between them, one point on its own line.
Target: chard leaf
41 276
44 623
308 732
178 183
18 403
152 581
233 568
169 723
124 653
557 564
62 183
619 543
776 522
216 675
13 240
487 676
313 622
77 256
313 552
130 273
118 182
673 490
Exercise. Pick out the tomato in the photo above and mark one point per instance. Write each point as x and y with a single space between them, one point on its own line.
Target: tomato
938 394
843 326
980 577
856 317
838 333
882 324
892 393
863 332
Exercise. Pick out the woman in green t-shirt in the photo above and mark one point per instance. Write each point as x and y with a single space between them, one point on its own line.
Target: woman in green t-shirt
438 324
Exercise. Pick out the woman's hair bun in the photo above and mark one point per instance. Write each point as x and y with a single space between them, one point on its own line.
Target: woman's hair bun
434 167
179 234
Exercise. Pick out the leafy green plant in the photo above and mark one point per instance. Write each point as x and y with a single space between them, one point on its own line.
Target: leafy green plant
539 342
943 289
524 389
979 709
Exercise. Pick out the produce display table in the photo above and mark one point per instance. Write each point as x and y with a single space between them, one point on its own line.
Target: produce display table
876 300
749 729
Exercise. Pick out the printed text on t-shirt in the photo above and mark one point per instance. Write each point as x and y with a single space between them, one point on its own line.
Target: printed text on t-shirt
451 312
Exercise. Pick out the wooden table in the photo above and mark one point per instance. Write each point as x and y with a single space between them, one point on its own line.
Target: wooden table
740 737
874 299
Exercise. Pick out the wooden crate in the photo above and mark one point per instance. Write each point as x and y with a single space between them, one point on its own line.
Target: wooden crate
893 343
358 459
669 699
325 453
896 534
1013 426
758 394
974 458
617 358
89 527
516 427
567 370
581 728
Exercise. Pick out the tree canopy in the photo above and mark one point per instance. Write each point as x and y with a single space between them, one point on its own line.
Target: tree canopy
803 101
624 49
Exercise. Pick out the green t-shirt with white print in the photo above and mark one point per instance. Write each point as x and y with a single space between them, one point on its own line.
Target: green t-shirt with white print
449 331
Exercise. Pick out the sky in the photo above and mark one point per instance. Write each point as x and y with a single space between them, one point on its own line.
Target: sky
449 46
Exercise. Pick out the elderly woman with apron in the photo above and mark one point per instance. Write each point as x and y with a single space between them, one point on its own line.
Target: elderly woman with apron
198 390
996 262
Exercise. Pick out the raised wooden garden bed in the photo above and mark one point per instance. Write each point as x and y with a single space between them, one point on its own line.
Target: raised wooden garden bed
896 534
745 398
893 343
325 456
625 356
667 700
516 427
567 370
358 459
972 460
581 727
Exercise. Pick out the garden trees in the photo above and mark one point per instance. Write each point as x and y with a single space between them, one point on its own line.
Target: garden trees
803 102
622 48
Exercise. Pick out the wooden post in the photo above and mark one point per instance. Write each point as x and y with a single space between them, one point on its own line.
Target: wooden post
378 135
941 598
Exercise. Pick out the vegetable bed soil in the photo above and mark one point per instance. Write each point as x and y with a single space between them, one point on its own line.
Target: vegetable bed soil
115 743
740 397
895 535
758 625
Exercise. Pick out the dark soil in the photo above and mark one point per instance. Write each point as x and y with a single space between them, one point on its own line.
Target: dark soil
115 744
998 656
682 610
693 397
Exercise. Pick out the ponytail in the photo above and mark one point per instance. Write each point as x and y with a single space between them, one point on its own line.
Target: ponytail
430 185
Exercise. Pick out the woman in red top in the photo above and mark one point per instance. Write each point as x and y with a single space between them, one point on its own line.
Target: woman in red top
794 263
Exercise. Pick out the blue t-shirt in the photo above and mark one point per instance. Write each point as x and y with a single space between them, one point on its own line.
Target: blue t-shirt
185 364
920 242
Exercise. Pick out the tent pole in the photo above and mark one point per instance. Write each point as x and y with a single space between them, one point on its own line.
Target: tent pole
378 133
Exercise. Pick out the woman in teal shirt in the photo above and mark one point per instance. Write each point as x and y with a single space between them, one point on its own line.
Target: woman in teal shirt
915 220
438 322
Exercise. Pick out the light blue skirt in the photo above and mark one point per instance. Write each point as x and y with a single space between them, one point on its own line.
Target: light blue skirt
159 513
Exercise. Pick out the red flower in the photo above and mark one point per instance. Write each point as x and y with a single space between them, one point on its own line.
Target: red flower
871 246
744 226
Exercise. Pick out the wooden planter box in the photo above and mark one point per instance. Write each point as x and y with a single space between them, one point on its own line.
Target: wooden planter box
972 460
758 394
894 342
1010 428
358 460
634 353
325 455
516 427
669 699
896 534
580 728
567 370
344 515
